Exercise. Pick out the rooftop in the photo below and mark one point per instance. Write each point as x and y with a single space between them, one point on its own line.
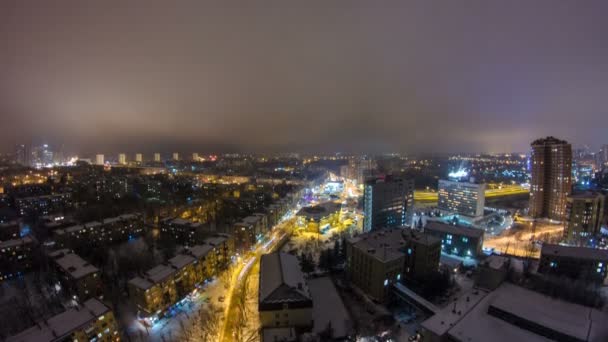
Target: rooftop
471 321
61 326
281 279
16 242
328 308
181 260
456 230
72 264
160 273
574 252
199 251
388 244
320 210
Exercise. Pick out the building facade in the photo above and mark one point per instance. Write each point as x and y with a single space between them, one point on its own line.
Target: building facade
461 197
457 240
388 202
378 259
551 182
284 297
584 215
574 262
81 278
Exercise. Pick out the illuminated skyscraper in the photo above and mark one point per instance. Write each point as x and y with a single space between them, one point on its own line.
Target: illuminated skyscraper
175 156
195 156
122 159
388 202
139 158
551 183
99 159
157 157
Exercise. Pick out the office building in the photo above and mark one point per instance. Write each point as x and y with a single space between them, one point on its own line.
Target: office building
91 321
99 159
457 240
512 313
122 159
175 156
584 215
157 157
462 198
80 277
139 158
195 157
388 202
551 183
574 262
284 297
378 259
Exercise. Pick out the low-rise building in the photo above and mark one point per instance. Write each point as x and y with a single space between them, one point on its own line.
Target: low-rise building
10 230
43 205
166 284
15 257
457 240
91 321
106 232
318 218
76 274
284 297
155 290
574 262
380 258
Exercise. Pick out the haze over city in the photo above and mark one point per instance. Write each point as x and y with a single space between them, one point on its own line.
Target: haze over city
314 171
419 76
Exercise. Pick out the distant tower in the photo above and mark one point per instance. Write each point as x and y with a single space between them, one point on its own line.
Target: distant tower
551 164
22 154
139 158
122 159
99 159
195 156
157 157
175 156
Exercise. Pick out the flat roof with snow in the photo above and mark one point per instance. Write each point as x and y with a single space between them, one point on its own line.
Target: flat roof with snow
574 252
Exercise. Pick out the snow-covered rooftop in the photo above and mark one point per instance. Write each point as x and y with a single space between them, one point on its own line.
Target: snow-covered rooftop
471 321
199 251
181 260
281 279
74 265
61 326
574 252
328 308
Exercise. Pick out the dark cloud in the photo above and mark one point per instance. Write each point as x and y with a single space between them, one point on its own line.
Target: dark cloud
329 76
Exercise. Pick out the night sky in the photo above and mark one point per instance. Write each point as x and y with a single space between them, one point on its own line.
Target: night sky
371 76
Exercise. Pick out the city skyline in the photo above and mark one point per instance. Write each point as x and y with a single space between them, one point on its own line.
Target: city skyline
417 77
